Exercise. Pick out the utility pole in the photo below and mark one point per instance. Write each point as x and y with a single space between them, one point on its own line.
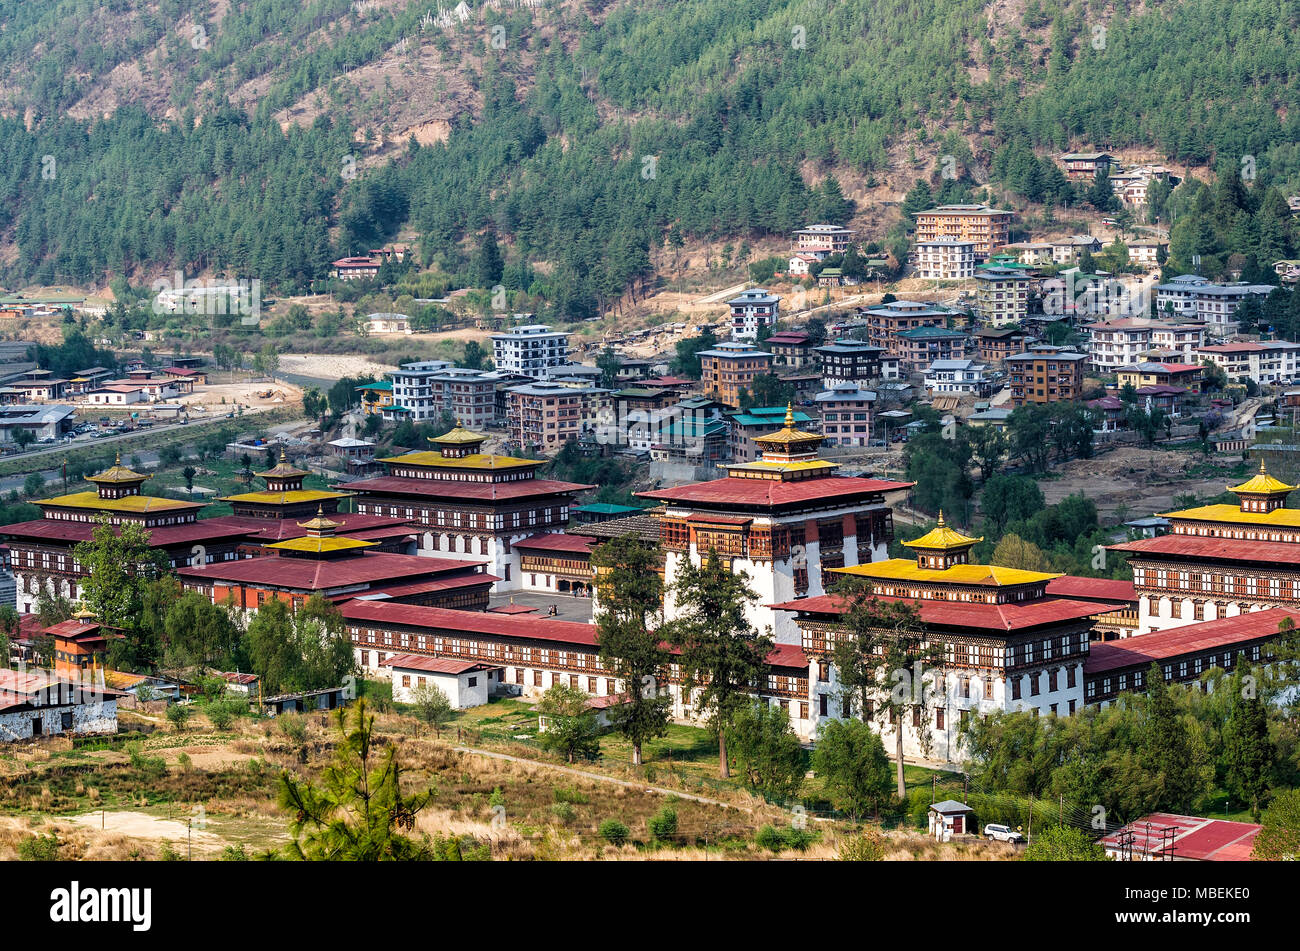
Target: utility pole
1030 836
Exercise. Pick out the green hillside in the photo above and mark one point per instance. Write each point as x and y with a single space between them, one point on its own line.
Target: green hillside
596 134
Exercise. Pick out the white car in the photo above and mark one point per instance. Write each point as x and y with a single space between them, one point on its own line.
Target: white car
997 833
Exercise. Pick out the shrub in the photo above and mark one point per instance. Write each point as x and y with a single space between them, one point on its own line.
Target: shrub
168 854
570 794
220 716
39 848
234 853
178 716
184 761
867 847
563 811
779 840
614 832
663 824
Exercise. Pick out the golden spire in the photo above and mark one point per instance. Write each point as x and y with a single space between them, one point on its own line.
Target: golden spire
118 459
789 415
83 613
941 518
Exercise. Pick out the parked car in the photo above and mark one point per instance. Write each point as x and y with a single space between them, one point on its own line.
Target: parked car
998 833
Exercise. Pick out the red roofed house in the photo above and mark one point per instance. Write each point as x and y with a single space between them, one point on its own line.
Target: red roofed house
784 519
38 703
469 505
1009 644
1165 837
465 683
555 562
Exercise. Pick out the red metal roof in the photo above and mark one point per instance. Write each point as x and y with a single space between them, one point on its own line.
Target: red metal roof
788 655
397 592
310 574
770 493
350 524
558 541
164 536
1223 549
993 617
71 629
1144 649
1195 838
1106 589
466 491
706 519
436 665
470 622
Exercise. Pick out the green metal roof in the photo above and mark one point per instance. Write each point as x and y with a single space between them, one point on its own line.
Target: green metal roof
605 508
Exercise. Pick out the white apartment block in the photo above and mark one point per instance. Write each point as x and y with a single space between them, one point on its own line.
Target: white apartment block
945 260
429 388
1270 361
1191 295
957 376
529 349
823 240
1121 343
1001 296
753 310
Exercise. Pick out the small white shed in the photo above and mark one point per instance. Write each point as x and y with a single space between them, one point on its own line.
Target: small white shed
466 683
949 818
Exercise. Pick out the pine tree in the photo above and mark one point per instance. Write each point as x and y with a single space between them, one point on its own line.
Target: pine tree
1248 749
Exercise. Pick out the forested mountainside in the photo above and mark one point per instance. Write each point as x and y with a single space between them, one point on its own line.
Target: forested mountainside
263 138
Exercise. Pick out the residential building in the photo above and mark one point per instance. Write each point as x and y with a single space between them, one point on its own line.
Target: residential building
355 268
886 321
731 367
1191 295
36 703
558 563
921 346
1169 399
1070 250
995 344
44 422
542 417
1045 374
530 349
467 504
1147 253
1269 362
1108 414
944 260
1120 343
791 349
801 264
387 323
1183 375
1084 166
986 227
957 376
432 389
375 396
1001 295
752 311
1287 270
846 414
465 683
823 240
1032 253
855 361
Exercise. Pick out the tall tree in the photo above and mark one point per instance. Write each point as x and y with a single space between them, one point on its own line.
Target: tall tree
722 658
850 760
764 746
1247 749
630 595
119 564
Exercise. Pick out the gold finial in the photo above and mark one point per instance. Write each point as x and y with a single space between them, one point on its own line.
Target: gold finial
118 460
789 415
940 518
1262 470
282 459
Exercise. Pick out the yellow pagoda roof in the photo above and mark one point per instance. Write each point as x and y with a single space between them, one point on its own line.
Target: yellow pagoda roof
1278 518
117 473
267 497
318 544
1262 484
282 470
477 460
128 503
458 435
942 538
319 523
787 433
797 465
905 569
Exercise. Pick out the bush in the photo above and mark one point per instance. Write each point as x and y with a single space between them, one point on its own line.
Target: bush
614 832
220 716
178 715
564 812
779 840
663 824
234 853
867 847
497 798
168 854
39 848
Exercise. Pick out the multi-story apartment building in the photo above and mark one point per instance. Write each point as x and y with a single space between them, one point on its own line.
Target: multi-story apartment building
430 388
754 310
544 416
846 414
921 346
748 427
1270 361
1001 295
1190 295
944 260
1123 342
995 344
1146 253
823 240
855 361
530 349
791 349
731 367
1030 252
1070 250
986 227
1045 374
886 321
